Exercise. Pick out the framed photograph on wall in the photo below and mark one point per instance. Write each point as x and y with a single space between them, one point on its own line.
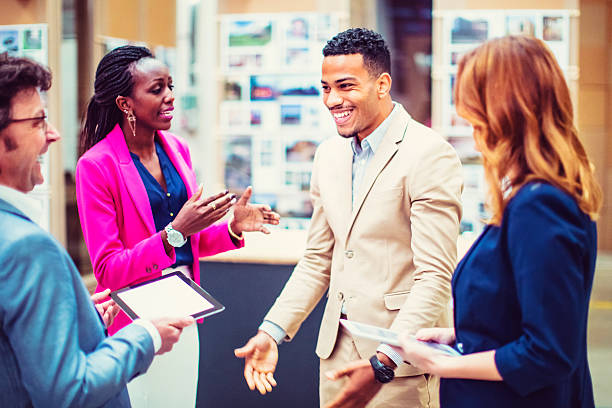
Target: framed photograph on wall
238 169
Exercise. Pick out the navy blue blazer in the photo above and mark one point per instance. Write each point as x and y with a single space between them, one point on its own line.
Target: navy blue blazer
523 290
53 347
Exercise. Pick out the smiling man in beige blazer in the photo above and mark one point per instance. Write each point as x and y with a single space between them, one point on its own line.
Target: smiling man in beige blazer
382 239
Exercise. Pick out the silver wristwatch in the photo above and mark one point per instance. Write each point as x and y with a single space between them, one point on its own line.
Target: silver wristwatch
175 238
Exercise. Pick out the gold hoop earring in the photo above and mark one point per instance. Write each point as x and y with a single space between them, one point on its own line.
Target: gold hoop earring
131 121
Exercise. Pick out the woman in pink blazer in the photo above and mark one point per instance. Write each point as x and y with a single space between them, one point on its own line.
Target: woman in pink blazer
140 208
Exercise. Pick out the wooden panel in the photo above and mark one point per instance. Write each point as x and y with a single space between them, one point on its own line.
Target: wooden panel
516 4
160 22
592 106
265 6
23 12
122 19
149 21
595 96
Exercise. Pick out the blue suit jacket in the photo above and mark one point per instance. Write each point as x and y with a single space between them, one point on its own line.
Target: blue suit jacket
53 347
523 289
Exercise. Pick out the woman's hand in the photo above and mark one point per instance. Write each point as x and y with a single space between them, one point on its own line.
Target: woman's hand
441 335
421 356
424 357
252 217
199 213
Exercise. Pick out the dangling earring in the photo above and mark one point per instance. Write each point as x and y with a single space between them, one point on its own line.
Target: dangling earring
131 121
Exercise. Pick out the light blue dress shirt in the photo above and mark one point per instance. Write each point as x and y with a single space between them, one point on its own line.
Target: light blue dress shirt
362 156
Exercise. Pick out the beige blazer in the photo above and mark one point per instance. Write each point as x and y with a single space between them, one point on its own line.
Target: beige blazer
392 256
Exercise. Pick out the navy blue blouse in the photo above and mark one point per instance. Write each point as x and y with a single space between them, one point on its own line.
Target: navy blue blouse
166 204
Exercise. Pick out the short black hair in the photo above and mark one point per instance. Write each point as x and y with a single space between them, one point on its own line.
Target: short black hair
368 43
17 74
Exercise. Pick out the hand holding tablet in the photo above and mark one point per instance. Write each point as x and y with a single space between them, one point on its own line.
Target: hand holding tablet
390 337
169 295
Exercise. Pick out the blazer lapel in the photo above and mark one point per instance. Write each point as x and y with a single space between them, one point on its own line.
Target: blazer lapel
344 180
387 149
132 179
463 260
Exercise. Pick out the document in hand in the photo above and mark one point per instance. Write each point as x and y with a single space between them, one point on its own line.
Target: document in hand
390 337
172 295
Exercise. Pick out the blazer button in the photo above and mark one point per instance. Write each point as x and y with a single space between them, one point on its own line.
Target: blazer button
349 253
155 267
340 296
460 347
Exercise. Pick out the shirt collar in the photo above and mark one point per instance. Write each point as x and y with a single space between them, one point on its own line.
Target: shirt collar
374 139
29 206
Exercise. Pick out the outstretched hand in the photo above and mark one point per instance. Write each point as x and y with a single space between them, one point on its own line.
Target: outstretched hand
360 388
260 357
201 212
252 217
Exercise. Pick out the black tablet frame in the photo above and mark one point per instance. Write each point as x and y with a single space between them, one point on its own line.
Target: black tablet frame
217 306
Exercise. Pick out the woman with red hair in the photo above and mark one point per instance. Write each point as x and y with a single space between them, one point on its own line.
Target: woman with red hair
521 293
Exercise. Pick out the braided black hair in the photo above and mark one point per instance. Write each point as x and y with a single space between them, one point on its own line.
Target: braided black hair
368 43
17 74
114 77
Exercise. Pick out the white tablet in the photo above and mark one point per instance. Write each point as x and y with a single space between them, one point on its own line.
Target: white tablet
390 337
172 295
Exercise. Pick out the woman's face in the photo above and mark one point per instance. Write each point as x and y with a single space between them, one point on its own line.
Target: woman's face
152 99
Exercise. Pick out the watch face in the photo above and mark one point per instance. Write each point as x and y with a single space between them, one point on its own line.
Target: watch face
384 374
175 238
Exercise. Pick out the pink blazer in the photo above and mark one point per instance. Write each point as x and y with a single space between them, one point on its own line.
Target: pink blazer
117 220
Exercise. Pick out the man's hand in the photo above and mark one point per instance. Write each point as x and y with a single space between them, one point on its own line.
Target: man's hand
260 357
108 310
361 387
170 330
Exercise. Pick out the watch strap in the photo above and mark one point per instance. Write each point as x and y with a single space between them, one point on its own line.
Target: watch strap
383 373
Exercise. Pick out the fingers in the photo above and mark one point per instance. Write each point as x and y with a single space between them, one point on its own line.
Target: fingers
98 297
426 334
264 230
183 322
222 206
196 196
246 196
245 350
270 217
258 383
248 376
271 380
261 382
212 198
346 370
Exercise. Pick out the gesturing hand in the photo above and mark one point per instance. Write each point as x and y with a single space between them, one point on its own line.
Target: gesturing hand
260 357
199 213
252 217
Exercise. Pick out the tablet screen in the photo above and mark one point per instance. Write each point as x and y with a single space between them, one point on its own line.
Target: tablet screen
172 295
390 337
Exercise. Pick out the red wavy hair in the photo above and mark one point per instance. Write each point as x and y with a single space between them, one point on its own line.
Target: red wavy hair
513 92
